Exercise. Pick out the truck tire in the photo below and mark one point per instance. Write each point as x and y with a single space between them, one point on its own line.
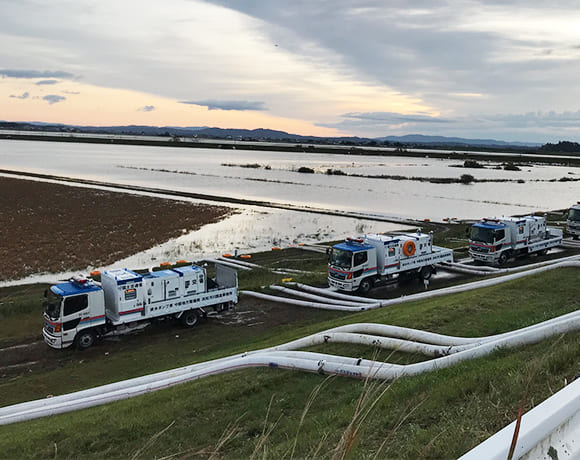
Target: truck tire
543 252
85 339
503 258
190 318
365 286
426 272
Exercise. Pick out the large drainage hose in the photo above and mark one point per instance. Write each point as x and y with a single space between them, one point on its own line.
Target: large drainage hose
284 356
377 303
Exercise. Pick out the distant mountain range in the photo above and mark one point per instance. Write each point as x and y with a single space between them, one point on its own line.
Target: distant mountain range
431 140
262 135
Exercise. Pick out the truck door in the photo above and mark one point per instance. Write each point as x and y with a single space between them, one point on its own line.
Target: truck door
360 263
75 308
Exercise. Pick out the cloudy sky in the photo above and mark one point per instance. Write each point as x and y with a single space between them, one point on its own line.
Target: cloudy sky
478 69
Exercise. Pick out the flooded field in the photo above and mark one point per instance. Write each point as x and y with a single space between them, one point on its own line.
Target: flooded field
275 177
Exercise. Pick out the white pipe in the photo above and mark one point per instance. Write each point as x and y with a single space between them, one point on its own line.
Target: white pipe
238 262
484 268
318 298
330 363
469 271
312 249
377 303
228 264
331 293
303 303
312 362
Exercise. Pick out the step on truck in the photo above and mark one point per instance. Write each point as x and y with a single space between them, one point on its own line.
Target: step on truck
495 240
358 264
82 310
573 222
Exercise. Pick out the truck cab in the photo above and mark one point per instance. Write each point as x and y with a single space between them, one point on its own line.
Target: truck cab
487 239
573 222
350 262
495 240
72 311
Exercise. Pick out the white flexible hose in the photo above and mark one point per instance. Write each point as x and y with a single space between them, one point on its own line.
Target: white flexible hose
304 303
483 268
228 264
331 293
238 262
283 357
317 298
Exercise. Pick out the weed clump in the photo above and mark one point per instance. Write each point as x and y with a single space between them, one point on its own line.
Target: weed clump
466 179
511 167
472 164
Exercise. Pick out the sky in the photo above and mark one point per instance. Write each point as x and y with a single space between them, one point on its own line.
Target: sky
476 69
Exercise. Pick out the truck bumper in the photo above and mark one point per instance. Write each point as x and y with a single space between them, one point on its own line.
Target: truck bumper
54 341
346 286
483 257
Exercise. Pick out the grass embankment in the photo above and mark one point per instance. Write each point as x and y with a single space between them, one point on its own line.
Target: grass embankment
274 413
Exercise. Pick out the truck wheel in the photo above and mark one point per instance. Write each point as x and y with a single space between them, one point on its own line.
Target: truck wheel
543 252
85 339
365 286
426 272
190 318
503 258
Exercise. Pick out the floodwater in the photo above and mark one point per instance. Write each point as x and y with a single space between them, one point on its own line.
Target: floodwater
253 229
276 179
221 172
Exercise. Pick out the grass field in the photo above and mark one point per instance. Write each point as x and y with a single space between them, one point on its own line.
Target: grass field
271 413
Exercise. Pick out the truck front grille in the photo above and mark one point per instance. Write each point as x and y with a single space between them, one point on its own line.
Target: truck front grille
337 275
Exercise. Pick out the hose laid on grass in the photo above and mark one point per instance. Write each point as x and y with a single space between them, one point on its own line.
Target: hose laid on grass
227 263
315 297
243 263
377 303
305 303
282 356
285 357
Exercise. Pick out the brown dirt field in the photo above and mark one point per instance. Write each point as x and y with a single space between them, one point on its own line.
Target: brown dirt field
48 227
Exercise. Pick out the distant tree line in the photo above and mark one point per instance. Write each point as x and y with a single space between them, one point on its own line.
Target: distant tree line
562 146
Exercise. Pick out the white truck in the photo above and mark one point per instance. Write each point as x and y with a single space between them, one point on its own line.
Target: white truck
359 263
573 222
494 240
82 310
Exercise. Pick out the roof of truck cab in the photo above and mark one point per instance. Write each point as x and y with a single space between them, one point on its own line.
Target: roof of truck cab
72 288
353 247
492 225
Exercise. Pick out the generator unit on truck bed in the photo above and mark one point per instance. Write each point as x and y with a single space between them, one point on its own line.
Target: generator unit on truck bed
573 222
358 263
496 240
82 310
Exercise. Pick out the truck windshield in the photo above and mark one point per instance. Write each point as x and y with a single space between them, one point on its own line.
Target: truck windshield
574 215
481 234
341 258
52 305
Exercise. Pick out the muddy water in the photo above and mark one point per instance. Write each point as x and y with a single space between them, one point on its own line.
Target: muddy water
276 178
